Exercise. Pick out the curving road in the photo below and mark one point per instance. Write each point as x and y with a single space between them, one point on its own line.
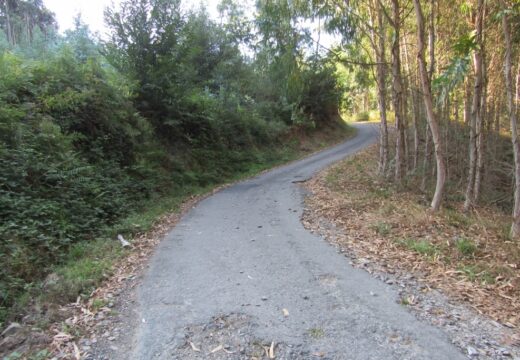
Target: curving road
240 271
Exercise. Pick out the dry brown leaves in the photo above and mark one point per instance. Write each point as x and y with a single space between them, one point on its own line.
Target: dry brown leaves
375 220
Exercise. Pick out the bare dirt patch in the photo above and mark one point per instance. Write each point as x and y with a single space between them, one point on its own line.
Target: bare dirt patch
460 272
231 336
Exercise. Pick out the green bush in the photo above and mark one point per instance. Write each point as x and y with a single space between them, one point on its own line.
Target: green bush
466 247
72 151
422 247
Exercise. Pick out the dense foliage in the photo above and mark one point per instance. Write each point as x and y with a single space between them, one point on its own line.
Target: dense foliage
89 131
71 160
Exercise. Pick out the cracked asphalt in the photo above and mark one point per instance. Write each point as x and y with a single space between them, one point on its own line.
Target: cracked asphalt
240 270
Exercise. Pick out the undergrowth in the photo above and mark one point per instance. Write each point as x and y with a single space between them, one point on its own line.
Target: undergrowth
87 263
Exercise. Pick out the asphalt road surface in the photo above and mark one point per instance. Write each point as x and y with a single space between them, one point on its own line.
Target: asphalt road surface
240 276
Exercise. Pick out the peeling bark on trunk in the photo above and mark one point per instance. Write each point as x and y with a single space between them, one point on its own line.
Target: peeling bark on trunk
381 91
515 227
476 112
481 140
426 160
472 161
481 145
428 103
467 102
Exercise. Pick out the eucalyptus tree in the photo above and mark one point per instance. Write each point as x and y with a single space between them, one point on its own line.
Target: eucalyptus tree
280 49
363 29
397 89
475 141
428 103
512 109
378 35
19 18
236 22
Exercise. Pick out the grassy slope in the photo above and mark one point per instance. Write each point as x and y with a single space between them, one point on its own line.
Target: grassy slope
89 263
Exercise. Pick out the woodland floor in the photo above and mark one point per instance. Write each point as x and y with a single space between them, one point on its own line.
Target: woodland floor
445 263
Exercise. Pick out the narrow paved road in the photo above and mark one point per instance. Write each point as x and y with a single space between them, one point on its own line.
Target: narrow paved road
240 270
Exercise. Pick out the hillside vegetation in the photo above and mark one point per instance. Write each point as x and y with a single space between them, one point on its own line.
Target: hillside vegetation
93 132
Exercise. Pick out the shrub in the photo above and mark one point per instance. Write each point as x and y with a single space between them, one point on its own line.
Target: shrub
71 149
422 247
466 247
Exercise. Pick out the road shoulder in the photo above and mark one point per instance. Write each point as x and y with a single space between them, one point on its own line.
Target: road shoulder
337 208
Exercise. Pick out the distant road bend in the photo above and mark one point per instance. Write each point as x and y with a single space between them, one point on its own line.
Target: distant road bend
239 272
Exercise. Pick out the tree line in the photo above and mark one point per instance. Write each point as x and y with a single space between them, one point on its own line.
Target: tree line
448 75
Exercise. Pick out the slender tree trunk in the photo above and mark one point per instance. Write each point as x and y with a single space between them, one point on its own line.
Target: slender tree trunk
431 40
515 227
497 118
380 50
405 105
472 164
431 71
481 135
28 25
415 130
397 90
447 135
428 103
426 160
9 26
456 116
481 145
467 102
476 111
